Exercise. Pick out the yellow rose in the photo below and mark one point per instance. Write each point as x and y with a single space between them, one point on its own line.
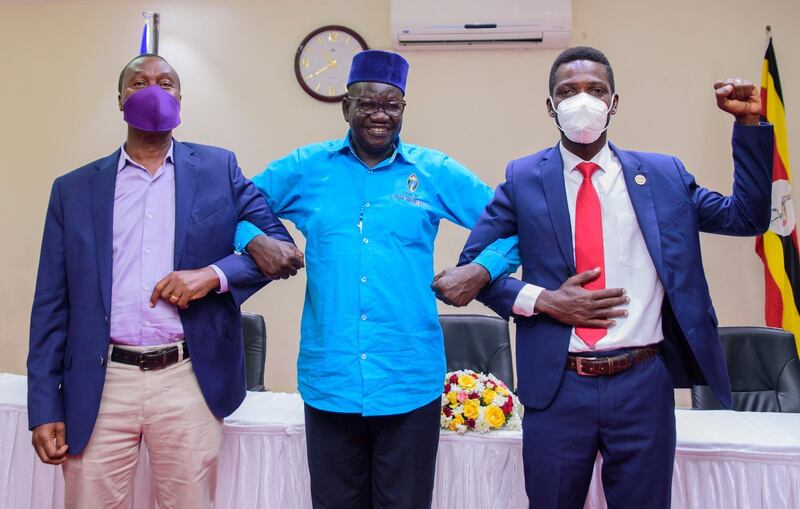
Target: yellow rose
452 397
457 421
502 390
471 408
494 416
488 396
466 381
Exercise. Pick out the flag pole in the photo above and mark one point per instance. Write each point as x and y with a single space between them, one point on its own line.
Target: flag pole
150 32
768 38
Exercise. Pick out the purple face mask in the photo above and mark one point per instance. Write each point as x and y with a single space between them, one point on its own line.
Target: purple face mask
152 109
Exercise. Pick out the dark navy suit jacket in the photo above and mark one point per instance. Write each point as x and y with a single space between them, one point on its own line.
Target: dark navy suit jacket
671 210
69 334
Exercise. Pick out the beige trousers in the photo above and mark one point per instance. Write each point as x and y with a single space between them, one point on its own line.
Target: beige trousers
182 436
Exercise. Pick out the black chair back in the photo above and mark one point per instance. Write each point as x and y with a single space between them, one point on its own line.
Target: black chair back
480 343
254 332
763 368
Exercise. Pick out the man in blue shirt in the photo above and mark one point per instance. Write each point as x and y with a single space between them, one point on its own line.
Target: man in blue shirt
371 365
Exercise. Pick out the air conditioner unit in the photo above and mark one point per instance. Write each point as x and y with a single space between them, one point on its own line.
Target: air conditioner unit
459 24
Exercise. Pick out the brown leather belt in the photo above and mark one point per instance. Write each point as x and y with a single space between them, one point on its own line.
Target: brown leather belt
606 366
149 360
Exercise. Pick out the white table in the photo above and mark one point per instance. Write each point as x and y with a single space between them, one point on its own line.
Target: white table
731 460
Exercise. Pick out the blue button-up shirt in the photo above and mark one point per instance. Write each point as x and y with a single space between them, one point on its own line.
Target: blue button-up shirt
370 339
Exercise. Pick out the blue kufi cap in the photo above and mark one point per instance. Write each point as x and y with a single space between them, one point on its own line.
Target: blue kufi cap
379 66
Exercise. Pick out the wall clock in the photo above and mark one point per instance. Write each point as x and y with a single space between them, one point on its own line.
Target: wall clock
322 62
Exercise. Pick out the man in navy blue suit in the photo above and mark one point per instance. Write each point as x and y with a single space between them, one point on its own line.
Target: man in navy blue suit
135 328
613 308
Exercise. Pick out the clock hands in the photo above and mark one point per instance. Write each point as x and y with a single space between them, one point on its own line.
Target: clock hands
330 65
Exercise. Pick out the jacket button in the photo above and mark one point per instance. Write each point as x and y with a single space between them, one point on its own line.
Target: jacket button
102 360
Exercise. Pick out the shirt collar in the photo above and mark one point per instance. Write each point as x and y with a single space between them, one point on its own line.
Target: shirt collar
601 159
124 158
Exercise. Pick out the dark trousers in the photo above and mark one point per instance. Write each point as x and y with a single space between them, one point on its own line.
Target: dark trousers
380 462
628 417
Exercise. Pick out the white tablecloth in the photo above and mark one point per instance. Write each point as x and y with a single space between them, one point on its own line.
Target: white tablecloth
724 460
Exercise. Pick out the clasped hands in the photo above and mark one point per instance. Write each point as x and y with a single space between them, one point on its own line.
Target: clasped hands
275 259
570 304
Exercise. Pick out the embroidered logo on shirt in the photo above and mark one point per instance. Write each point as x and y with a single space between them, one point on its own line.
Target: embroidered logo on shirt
412 183
410 199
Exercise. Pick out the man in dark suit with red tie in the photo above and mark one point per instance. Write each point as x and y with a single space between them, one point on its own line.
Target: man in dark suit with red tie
613 308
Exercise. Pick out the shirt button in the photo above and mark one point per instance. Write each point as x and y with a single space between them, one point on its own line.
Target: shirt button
146 288
149 216
363 279
363 356
363 317
147 251
365 240
366 205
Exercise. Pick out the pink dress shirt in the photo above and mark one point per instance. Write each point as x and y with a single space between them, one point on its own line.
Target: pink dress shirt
143 248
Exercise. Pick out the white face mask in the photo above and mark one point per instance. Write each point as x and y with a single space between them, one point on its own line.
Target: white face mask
582 118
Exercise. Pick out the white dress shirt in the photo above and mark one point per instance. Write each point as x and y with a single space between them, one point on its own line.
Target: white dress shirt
627 262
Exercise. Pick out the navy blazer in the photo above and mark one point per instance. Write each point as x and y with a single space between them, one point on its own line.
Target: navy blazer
69 334
671 210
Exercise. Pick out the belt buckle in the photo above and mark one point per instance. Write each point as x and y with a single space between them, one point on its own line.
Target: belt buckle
153 355
579 366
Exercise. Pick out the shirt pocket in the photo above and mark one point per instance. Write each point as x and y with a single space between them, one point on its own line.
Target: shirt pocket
404 217
630 241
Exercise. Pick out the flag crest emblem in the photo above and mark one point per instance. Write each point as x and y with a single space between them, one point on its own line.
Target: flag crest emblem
412 183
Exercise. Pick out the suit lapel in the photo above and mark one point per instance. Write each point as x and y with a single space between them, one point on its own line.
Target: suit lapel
186 175
641 195
102 184
555 192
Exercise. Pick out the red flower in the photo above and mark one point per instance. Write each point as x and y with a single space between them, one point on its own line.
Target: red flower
508 406
474 396
454 379
475 376
446 411
470 423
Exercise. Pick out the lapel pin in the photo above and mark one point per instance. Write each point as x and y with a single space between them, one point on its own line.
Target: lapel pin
640 179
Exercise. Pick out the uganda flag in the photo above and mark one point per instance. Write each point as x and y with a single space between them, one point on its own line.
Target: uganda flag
778 248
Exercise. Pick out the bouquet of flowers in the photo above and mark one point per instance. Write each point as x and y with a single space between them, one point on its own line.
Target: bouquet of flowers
478 402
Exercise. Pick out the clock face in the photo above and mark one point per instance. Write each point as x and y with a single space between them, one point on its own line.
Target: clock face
322 62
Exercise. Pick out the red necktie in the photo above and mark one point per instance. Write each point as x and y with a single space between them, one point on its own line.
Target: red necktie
589 242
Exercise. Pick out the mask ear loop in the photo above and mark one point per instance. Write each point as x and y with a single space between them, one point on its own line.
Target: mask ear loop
610 111
554 112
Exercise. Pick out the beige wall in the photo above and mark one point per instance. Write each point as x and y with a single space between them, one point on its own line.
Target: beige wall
58 111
